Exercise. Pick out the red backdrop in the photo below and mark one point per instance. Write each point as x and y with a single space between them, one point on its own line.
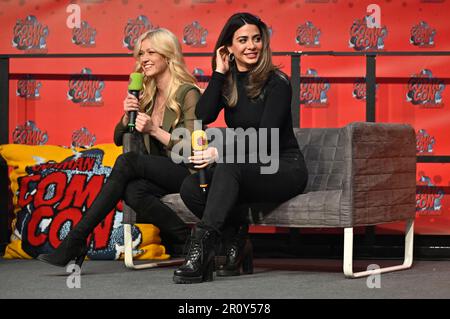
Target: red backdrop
51 104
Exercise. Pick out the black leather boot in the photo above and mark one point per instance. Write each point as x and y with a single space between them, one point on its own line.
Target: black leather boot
199 263
239 254
70 249
74 245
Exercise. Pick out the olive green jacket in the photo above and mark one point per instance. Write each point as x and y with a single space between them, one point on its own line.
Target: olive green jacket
187 118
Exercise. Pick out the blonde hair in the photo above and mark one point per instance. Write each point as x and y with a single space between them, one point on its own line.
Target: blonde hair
165 43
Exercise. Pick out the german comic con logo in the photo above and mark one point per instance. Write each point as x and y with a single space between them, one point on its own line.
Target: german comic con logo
425 90
308 35
194 35
429 197
363 38
28 88
30 35
313 89
134 28
84 36
86 89
359 91
424 142
55 196
83 138
422 35
29 134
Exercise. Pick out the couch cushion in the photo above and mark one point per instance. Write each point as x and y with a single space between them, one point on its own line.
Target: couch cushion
325 155
315 209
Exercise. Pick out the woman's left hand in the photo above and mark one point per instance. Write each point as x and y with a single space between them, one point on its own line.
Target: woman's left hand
201 159
145 124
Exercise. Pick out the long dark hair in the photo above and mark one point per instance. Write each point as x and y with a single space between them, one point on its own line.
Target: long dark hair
260 73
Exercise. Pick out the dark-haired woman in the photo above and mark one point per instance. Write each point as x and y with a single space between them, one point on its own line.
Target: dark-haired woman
254 94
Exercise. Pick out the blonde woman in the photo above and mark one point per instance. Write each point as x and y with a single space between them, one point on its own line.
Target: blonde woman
167 102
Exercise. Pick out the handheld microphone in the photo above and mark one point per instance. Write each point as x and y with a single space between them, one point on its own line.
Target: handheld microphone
134 87
200 143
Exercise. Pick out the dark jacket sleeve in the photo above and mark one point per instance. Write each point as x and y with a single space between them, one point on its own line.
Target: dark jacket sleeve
119 130
211 102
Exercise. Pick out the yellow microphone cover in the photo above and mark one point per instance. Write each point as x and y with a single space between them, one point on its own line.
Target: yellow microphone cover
199 140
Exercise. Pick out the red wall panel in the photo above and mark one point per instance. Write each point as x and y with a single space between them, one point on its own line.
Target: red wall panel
331 92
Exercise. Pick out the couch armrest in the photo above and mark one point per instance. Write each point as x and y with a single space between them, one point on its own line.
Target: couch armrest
383 172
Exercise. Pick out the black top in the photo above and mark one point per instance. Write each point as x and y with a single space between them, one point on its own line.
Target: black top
270 110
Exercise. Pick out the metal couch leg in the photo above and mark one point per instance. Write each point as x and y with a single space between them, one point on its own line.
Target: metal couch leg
128 243
348 253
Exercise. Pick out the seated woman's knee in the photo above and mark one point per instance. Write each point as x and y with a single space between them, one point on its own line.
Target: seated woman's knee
190 187
132 195
124 160
228 168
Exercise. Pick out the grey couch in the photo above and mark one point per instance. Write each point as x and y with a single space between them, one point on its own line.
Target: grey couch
360 174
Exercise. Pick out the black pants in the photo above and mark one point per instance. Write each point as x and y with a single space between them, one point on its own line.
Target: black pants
231 184
141 180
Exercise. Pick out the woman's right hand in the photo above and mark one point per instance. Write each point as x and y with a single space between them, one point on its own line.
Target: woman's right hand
222 60
130 103
201 159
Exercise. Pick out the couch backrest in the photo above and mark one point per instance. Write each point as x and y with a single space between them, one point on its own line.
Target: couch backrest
325 150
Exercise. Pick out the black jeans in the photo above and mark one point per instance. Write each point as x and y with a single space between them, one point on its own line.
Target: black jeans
231 184
141 180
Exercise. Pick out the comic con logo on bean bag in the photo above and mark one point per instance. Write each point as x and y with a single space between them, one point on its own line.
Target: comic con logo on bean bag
54 196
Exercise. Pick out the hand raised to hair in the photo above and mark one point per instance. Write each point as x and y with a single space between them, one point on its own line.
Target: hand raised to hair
222 60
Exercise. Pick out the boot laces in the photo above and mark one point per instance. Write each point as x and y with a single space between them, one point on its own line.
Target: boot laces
236 242
195 249
233 248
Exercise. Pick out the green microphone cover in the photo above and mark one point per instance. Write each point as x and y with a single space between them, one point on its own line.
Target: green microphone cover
135 83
